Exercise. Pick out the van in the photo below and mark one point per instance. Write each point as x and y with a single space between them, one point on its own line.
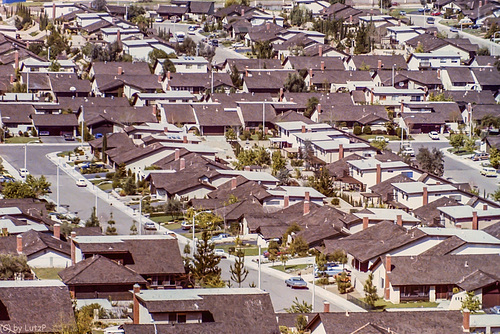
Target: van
489 172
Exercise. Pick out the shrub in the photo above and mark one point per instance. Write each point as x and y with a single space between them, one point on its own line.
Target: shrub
357 130
110 175
335 201
367 130
323 281
231 250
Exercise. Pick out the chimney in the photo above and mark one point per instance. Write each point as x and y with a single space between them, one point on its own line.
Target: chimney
466 320
366 221
165 129
243 12
303 129
16 59
73 248
182 164
281 95
435 33
425 197
160 78
246 71
322 65
306 207
379 64
306 196
118 37
399 220
19 244
286 202
372 96
320 50
310 77
350 19
54 11
318 108
168 75
439 73
485 207
233 183
402 107
469 107
474 220
177 154
12 78
185 139
399 22
247 169
57 231
268 26
480 4
137 290
341 151
379 174
155 109
120 70
388 267
326 307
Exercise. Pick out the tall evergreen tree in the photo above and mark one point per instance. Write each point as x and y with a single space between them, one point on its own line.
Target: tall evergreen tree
370 291
205 264
238 272
93 221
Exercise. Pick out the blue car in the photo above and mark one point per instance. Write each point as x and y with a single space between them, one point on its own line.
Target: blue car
220 237
296 282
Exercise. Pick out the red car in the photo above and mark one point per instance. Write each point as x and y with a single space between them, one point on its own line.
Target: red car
435 13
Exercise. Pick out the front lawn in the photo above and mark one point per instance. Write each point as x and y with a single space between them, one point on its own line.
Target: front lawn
293 267
19 140
381 304
390 137
252 250
47 273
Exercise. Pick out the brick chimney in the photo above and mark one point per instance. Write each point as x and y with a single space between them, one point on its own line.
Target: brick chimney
185 139
182 164
379 174
12 78
322 65
19 244
16 60
247 169
53 11
303 129
73 248
320 50
233 183
155 109
379 64
120 70
399 220
480 4
326 307
425 196
137 290
306 196
466 320
246 71
310 77
306 207
169 74
402 107
350 19
474 220
57 231
118 37
366 221
243 12
388 267
268 26
177 154
281 95
439 73
318 108
286 201
341 151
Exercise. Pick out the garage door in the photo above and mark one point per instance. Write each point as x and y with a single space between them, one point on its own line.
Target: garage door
213 130
491 296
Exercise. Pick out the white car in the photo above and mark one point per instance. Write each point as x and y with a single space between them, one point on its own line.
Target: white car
434 135
23 172
220 253
81 183
379 138
407 150
150 226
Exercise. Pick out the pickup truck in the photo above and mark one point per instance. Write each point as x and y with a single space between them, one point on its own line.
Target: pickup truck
379 138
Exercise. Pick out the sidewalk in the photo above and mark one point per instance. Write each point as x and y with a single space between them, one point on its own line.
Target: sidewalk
463 159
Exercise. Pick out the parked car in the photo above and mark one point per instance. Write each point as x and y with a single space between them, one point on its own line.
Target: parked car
406 149
453 29
496 309
402 12
69 137
23 172
214 42
185 225
98 135
489 172
434 135
220 253
430 20
436 13
150 226
480 156
81 183
379 138
220 237
330 271
296 282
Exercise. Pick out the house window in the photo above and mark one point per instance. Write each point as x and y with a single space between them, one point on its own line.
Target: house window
181 318
382 283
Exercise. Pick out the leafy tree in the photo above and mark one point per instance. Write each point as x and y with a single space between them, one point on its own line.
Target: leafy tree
278 162
40 186
54 66
93 220
263 49
133 228
300 15
173 207
130 187
258 156
470 144
99 5
311 105
362 40
238 272
299 246
322 182
367 130
431 162
491 32
10 265
205 264
339 256
385 4
301 323
85 317
57 43
307 152
295 83
111 229
236 77
484 51
357 130
457 141
283 177
438 97
299 307
135 11
343 282
490 121
495 157
17 189
188 47
471 302
230 135
370 290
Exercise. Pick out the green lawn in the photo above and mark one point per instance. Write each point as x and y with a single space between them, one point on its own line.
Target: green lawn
291 267
382 304
19 140
367 137
459 152
47 273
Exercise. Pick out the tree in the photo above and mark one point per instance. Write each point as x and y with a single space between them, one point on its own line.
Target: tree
370 291
484 51
457 141
99 5
301 323
230 135
93 220
323 182
188 46
431 162
343 282
54 66
111 229
17 189
40 186
295 83
299 246
307 152
12 265
263 49
311 105
104 147
471 302
205 264
278 162
236 77
133 228
173 207
238 272
362 40
283 177
154 55
495 157
339 256
380 145
130 187
438 97
299 307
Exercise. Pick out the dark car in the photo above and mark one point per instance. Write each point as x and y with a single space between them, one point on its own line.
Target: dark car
69 137
296 282
480 156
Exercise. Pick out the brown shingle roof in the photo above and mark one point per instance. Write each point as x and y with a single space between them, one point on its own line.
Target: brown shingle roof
428 214
54 120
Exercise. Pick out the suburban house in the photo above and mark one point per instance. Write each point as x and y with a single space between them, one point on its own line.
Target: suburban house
467 217
371 171
432 61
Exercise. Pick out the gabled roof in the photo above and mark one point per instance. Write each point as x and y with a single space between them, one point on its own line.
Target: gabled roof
54 120
34 242
128 68
385 188
372 61
180 181
99 270
487 77
245 189
215 115
316 63
460 74
429 213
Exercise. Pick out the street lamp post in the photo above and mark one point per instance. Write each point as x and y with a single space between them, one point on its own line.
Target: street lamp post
140 213
493 41
57 189
83 123
26 149
393 66
96 187
193 227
